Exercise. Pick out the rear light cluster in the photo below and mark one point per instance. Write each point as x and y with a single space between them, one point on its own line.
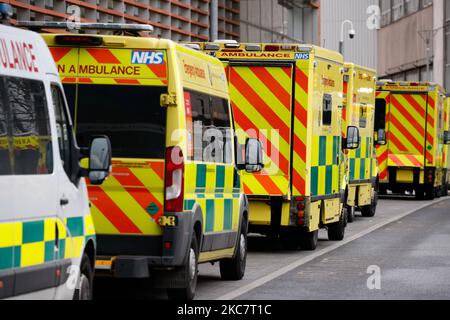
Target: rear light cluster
429 176
174 180
300 209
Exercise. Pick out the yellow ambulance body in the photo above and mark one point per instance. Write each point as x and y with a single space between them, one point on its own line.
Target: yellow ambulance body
412 115
170 203
290 96
446 159
359 108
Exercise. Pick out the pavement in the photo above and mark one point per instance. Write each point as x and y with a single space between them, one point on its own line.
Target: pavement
336 270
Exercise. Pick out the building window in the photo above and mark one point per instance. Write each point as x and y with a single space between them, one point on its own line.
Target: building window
394 10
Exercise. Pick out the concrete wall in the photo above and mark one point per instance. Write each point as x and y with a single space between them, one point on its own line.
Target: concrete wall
361 50
399 45
439 42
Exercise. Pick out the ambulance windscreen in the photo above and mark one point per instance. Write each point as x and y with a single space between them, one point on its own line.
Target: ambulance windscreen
131 116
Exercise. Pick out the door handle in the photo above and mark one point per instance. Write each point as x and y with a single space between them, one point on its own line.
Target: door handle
64 202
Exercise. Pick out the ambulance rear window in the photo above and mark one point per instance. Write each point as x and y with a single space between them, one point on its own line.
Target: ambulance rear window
131 116
380 114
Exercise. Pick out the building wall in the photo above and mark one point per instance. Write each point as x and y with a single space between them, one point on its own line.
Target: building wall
363 48
177 20
278 21
400 45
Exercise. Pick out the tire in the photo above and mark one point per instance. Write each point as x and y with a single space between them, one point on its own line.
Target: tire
84 290
350 214
190 271
430 193
336 231
234 269
420 193
309 240
370 210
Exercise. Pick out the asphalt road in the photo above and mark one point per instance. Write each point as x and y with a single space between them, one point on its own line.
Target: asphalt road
336 270
411 255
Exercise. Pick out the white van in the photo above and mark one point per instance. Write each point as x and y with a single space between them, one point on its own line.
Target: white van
47 238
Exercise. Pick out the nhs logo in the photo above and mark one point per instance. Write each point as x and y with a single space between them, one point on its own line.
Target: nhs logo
301 56
147 57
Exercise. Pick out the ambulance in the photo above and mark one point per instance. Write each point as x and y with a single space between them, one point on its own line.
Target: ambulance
446 147
47 238
175 197
361 165
412 115
290 96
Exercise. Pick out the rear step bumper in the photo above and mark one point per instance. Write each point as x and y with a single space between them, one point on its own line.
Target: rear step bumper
132 256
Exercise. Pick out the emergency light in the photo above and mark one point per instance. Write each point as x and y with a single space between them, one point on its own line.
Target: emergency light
75 26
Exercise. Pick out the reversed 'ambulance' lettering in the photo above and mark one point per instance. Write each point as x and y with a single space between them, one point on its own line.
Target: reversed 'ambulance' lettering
17 55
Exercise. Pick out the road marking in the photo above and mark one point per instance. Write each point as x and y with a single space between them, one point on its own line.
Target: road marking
271 276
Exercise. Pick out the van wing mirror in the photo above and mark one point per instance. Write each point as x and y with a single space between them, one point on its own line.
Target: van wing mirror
100 159
353 139
447 137
253 156
381 138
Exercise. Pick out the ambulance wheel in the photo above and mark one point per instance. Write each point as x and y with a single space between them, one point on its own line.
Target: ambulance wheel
336 231
234 269
438 192
190 271
350 214
84 287
370 210
308 240
430 193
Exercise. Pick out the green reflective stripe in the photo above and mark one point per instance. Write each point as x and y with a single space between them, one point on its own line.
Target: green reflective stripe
352 169
362 172
323 151
209 224
201 176
62 248
17 256
314 181
75 226
328 179
228 214
6 258
33 232
220 177
189 205
49 251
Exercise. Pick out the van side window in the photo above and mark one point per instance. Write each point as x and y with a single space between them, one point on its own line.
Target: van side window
380 114
363 117
327 110
30 138
62 129
211 128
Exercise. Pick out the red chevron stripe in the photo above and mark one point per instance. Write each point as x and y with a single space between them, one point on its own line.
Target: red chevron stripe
301 114
414 161
111 211
414 104
417 145
273 85
160 70
301 79
259 104
420 129
383 157
299 182
103 56
248 126
59 52
397 142
396 160
268 185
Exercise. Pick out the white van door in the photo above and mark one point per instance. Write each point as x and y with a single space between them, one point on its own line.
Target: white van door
30 190
72 195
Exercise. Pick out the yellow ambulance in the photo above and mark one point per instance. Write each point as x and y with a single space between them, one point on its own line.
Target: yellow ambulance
412 115
359 108
290 96
175 196
446 159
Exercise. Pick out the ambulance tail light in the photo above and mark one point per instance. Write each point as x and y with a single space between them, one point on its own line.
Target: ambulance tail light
174 180
78 40
300 207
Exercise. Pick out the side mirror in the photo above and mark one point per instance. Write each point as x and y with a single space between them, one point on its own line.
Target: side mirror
253 156
353 139
381 138
100 157
447 137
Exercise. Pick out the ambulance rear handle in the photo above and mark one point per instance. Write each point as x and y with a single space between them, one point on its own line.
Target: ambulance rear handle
64 202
